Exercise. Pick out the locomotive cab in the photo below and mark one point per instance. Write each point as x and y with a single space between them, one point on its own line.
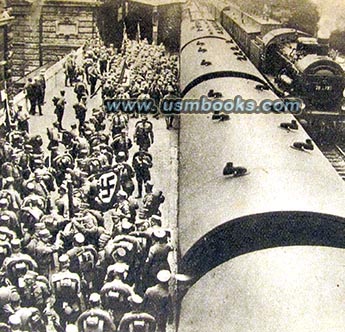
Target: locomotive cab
309 45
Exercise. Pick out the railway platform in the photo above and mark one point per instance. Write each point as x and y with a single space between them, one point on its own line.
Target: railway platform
164 149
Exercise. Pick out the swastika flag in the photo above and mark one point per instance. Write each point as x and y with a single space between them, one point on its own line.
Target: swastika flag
107 183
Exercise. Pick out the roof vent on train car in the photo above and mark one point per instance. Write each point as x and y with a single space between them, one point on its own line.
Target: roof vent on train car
205 63
214 94
202 50
289 125
302 146
242 58
220 117
261 87
231 170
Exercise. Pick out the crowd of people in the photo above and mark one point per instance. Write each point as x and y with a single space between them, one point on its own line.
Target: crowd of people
83 246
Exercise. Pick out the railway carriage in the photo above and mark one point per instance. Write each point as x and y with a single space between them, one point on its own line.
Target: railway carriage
266 250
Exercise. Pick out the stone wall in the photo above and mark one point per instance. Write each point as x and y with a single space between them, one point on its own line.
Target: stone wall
45 31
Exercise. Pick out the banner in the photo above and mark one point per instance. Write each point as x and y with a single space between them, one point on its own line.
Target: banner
108 187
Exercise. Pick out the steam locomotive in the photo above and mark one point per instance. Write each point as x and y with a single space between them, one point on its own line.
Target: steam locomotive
295 63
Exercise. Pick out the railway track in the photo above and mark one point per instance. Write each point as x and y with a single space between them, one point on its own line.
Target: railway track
336 156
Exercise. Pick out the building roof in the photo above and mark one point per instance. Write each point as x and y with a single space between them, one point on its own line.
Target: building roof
158 2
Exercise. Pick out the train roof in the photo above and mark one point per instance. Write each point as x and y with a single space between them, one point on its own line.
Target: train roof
214 46
222 58
248 27
280 178
251 24
196 26
280 289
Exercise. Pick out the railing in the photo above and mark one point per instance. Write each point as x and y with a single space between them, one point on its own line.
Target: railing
50 74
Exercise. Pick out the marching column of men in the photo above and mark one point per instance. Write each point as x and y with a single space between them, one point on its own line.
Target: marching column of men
82 246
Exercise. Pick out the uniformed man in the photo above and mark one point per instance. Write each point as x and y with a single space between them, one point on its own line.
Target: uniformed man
80 112
83 260
143 135
35 292
108 90
80 90
60 103
115 294
158 301
53 136
103 60
119 123
42 175
8 218
87 224
156 94
151 204
69 68
31 96
122 143
88 62
125 174
18 256
43 85
137 320
94 75
34 186
95 319
22 117
44 251
38 94
122 208
97 119
66 288
30 318
142 162
171 97
157 258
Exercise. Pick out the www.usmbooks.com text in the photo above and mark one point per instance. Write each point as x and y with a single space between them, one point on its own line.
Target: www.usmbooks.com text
204 105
